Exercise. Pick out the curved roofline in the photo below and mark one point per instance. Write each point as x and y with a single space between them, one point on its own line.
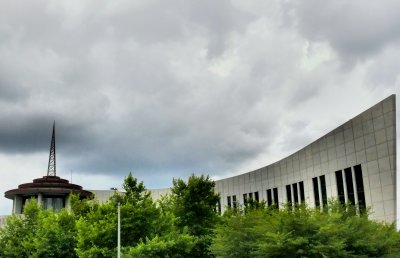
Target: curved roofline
308 145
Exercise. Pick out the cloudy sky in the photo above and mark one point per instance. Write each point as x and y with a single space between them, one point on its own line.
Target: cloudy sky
169 88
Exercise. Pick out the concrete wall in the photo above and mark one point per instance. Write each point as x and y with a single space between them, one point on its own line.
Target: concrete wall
104 195
368 139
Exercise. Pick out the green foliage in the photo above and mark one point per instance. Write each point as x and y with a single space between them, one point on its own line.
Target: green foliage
139 214
252 204
366 238
39 233
81 207
97 232
97 229
236 235
12 237
55 235
185 224
138 222
194 207
194 204
172 245
134 192
304 232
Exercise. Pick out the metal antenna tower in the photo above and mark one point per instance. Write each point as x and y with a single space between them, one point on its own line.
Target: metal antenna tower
51 169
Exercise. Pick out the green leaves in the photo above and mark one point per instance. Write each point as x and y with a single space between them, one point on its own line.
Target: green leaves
134 192
194 205
304 232
97 232
185 224
39 233
97 227
171 245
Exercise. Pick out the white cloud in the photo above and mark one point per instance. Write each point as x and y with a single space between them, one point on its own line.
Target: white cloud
165 89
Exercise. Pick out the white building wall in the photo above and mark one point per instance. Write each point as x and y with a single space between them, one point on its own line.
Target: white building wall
369 139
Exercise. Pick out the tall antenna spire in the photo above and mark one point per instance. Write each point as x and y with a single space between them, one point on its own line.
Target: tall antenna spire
51 169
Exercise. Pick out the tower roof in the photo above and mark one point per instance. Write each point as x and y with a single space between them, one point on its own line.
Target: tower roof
50 184
51 168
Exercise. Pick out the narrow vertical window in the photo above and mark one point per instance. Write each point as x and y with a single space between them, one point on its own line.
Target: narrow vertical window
276 200
234 201
289 194
244 199
229 202
301 186
316 191
269 197
250 195
323 191
340 188
349 183
360 188
256 196
295 193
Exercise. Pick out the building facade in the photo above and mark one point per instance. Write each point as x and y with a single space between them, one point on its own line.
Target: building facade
356 162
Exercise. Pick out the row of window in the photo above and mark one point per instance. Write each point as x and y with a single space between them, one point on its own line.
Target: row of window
250 196
349 190
319 185
232 200
272 197
48 201
295 193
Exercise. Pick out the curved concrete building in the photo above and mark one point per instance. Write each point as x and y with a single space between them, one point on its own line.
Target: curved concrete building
356 162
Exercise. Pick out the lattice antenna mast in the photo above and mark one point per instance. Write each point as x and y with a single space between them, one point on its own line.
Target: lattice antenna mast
51 169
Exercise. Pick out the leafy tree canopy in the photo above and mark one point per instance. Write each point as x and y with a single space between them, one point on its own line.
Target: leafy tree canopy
185 224
303 232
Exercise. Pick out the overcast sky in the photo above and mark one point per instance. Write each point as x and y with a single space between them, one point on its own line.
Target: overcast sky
169 88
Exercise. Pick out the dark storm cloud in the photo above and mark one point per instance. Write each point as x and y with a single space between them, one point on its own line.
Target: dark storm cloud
106 72
165 89
355 29
169 88
24 133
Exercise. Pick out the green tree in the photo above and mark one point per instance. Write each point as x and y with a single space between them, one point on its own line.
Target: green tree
304 232
194 207
13 238
97 227
173 245
38 233
55 234
171 241
81 207
139 214
97 231
236 236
